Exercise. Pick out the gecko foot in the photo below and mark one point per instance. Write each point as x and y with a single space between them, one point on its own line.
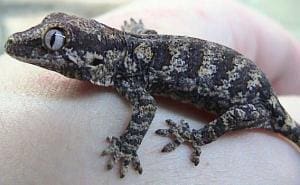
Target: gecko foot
133 26
136 27
181 133
124 153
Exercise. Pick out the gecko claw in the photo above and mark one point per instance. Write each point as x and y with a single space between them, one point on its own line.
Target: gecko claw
111 139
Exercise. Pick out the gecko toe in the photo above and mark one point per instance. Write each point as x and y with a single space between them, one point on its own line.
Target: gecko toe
171 123
133 21
110 164
171 146
195 157
169 132
124 167
195 160
137 165
106 152
163 132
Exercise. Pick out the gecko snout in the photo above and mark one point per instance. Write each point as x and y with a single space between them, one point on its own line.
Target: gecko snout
9 45
16 47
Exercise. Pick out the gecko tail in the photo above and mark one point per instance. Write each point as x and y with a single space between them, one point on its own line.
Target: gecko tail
283 123
292 132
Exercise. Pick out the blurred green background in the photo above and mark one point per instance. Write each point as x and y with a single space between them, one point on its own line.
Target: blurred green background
16 15
286 12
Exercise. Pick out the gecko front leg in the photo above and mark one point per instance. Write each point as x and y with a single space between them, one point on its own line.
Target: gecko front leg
124 148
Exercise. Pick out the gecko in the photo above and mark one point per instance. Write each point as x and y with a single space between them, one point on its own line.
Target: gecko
142 64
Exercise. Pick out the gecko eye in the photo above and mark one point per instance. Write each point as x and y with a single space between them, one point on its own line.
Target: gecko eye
54 39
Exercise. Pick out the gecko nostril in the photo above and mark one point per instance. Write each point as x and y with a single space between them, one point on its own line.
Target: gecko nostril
8 43
10 40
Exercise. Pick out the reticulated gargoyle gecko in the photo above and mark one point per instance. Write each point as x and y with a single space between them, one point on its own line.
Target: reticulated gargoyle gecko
140 63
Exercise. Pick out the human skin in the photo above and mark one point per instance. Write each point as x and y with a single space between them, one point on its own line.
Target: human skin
53 128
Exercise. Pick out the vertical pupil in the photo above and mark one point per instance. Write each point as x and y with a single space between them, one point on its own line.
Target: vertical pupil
52 40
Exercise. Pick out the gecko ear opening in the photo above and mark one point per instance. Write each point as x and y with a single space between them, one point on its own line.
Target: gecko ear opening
54 39
97 62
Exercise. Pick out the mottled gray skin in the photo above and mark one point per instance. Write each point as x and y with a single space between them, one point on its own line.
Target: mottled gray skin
140 63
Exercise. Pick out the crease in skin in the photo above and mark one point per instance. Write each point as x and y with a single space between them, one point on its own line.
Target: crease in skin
205 74
37 82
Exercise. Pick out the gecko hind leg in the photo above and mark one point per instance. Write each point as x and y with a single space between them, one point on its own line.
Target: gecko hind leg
136 27
236 118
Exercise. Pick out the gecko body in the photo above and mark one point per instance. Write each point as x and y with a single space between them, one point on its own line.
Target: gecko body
140 63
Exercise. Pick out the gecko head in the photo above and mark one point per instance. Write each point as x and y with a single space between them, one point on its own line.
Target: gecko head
73 46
